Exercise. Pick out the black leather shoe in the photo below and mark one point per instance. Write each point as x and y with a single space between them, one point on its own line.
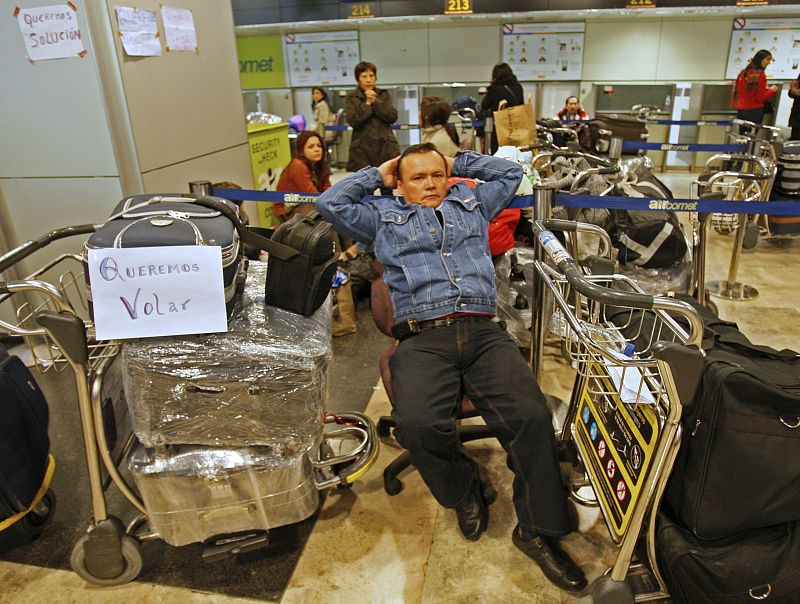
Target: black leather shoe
488 492
555 563
473 515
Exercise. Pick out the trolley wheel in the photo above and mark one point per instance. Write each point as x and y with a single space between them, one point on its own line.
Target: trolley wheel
385 425
750 236
131 554
34 521
607 591
392 486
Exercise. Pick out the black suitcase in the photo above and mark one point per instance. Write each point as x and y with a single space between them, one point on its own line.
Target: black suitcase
302 283
758 565
595 136
25 468
167 220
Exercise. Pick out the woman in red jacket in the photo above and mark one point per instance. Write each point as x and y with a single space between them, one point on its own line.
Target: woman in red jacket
308 172
750 91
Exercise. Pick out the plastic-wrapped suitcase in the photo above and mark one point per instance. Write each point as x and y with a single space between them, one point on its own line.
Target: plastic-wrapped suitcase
264 382
171 220
195 493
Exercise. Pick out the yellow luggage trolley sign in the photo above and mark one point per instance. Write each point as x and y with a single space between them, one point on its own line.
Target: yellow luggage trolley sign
616 442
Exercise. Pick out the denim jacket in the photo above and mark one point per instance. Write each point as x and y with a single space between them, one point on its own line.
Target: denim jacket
431 270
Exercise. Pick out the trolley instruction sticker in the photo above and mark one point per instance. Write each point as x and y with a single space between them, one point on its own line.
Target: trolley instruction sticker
616 442
157 291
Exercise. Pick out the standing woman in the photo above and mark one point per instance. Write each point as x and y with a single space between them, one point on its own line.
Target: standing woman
504 86
794 116
321 109
434 113
750 91
370 112
308 172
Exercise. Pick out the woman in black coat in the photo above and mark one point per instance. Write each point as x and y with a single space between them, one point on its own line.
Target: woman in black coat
504 86
794 116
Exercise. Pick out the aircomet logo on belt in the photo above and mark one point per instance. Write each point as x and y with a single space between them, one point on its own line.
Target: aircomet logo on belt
298 198
670 147
666 204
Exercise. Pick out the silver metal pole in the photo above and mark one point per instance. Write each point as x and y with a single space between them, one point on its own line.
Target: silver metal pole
542 208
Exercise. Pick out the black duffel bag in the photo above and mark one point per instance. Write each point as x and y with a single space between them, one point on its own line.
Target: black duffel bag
758 565
595 135
301 260
738 467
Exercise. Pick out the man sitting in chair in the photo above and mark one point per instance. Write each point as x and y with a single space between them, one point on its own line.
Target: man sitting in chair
434 249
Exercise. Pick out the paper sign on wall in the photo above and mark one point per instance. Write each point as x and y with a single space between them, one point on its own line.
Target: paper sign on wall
157 291
139 31
51 32
179 29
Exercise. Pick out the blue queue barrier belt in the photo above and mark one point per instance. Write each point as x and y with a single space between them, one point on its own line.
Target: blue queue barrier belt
691 122
688 147
668 122
477 124
775 208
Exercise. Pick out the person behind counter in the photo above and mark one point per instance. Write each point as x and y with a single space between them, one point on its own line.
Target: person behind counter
370 112
572 111
434 113
308 172
503 87
750 91
433 245
321 109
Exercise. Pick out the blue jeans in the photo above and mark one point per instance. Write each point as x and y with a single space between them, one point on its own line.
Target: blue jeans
431 370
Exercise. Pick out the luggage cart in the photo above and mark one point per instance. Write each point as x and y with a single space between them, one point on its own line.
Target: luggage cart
52 316
624 416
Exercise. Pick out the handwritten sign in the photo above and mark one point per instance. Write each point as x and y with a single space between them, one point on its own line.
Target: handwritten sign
179 29
139 31
51 32
157 291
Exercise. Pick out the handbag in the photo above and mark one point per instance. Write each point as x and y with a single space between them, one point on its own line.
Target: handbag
515 126
302 258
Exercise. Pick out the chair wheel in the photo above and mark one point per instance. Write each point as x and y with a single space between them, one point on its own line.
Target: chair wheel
385 425
392 486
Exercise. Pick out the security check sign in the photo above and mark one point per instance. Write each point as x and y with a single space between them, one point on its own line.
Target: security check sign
157 291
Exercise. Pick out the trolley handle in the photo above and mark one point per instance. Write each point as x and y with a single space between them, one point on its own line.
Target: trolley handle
581 176
571 226
21 252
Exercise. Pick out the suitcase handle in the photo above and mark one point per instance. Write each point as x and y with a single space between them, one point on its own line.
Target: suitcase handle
248 236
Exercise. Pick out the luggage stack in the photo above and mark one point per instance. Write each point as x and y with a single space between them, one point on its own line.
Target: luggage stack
730 526
788 179
227 421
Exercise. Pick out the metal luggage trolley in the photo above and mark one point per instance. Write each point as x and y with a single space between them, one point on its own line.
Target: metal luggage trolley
624 416
52 315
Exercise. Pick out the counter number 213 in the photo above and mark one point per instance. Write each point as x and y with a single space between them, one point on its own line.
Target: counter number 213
454 7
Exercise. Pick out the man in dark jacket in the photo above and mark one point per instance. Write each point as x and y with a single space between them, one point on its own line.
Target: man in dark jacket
370 112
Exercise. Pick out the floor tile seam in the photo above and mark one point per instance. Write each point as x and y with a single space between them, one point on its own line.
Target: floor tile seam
426 566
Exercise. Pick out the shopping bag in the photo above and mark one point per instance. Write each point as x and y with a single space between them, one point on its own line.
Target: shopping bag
516 125
344 308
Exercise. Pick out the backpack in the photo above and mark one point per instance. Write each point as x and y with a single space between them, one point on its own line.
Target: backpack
647 238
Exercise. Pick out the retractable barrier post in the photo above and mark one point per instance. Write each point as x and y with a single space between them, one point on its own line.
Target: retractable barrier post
731 289
488 128
615 149
201 188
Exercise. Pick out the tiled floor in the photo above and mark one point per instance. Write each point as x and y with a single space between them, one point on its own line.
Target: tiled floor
368 547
